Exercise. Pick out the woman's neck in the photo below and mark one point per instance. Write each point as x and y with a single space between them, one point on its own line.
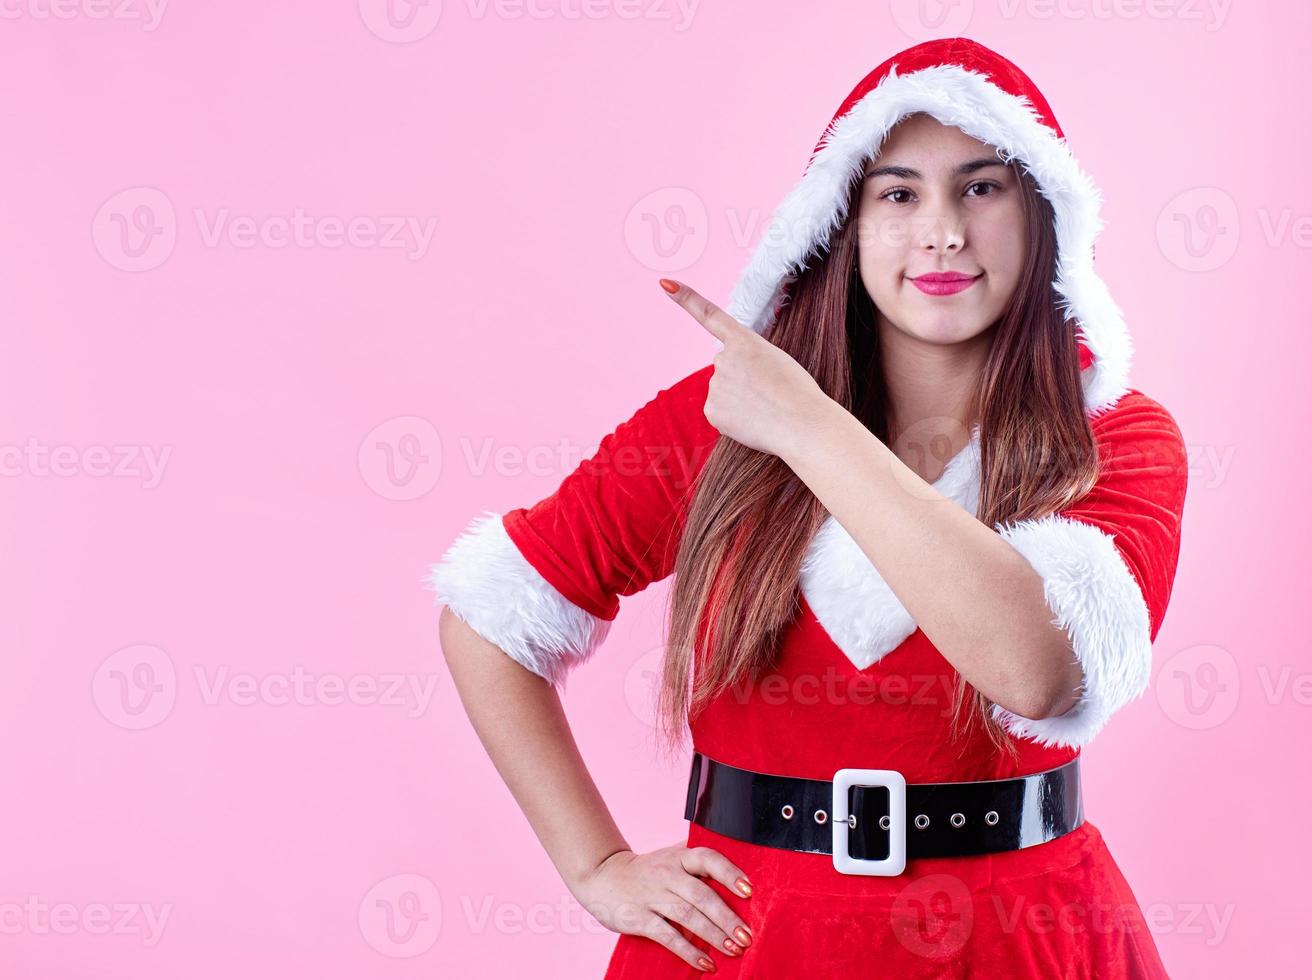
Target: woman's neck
931 400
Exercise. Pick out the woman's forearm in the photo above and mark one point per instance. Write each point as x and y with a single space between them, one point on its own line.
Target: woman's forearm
520 720
976 598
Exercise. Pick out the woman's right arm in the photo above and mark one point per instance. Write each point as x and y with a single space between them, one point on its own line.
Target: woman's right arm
519 719
529 596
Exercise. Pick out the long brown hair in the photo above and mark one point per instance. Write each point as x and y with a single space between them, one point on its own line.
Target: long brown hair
750 518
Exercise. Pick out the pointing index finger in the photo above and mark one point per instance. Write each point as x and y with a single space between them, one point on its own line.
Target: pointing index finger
716 321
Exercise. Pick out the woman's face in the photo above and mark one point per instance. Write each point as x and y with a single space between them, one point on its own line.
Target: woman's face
938 201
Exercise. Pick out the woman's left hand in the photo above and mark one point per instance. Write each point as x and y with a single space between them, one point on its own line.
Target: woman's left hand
758 395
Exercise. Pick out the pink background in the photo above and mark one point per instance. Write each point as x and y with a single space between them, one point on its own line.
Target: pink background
324 417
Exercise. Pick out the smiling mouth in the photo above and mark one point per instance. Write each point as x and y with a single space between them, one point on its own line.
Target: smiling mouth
945 284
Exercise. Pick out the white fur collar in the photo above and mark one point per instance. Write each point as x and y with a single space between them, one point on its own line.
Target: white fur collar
848 595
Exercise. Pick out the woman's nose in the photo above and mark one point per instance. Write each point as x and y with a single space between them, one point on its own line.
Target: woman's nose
943 232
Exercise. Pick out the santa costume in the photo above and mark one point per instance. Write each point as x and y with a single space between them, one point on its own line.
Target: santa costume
876 844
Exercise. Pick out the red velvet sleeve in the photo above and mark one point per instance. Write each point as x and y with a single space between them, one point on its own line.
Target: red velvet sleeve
1108 564
611 528
543 582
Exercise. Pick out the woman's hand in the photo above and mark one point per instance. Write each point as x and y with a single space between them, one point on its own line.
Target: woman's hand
758 395
642 894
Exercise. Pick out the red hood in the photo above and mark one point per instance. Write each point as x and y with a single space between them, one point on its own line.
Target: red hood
960 83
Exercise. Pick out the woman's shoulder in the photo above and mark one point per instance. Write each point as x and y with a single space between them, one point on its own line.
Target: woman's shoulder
689 391
1141 452
675 415
1136 416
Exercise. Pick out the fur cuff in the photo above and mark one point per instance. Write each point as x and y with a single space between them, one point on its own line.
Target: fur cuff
1099 604
485 581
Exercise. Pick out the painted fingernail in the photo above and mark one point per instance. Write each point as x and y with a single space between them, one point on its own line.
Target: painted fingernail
733 948
669 285
706 965
744 886
743 936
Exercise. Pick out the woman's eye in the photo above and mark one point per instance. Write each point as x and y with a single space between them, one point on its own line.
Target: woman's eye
989 188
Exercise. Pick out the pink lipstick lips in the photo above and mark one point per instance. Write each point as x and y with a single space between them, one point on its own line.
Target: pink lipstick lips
944 283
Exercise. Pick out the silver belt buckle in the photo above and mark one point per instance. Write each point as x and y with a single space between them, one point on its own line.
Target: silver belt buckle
896 862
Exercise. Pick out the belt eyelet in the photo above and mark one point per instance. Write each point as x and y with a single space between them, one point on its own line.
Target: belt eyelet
991 817
922 821
787 811
821 816
957 819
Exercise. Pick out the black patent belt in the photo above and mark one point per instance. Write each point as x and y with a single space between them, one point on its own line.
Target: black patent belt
860 817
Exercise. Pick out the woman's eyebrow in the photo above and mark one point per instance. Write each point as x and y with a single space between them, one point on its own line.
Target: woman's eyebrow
906 173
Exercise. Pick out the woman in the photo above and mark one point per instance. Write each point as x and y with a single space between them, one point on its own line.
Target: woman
923 535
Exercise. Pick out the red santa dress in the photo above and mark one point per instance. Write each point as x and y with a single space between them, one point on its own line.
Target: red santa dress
861 685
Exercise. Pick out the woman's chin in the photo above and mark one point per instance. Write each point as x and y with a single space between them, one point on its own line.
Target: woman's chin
940 329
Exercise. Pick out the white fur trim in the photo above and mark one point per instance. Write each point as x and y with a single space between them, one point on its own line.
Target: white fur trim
1097 601
485 581
849 597
966 99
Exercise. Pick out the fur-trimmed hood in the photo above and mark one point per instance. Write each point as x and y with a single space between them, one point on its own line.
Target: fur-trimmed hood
960 83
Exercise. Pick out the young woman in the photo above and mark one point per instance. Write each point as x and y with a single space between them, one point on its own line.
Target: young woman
923 535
